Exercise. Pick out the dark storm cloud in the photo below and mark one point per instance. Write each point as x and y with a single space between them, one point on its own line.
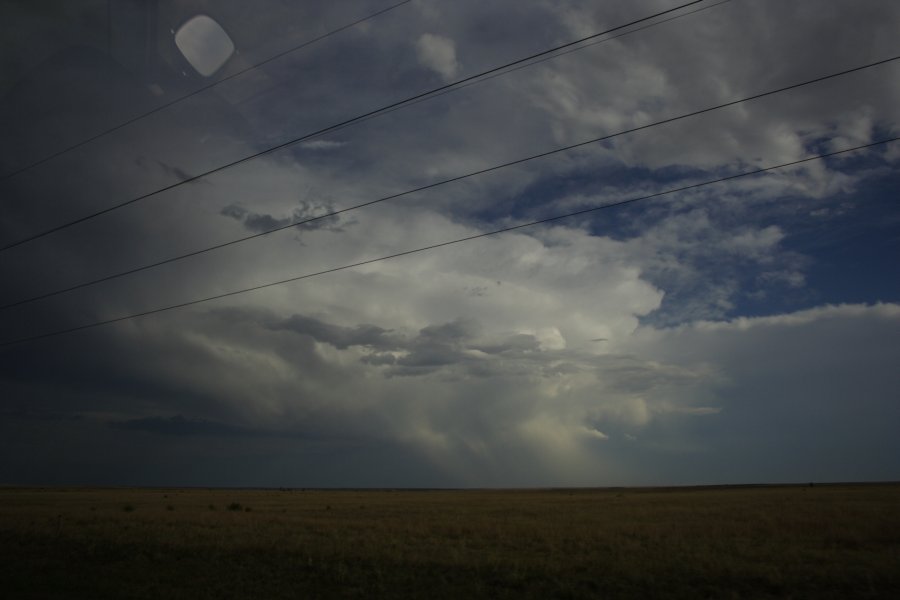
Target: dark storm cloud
515 344
27 413
108 372
37 119
431 349
177 173
257 223
459 347
455 344
632 375
425 370
181 425
434 347
369 336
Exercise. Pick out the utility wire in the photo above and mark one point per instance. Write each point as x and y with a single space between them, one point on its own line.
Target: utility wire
544 59
198 91
333 127
435 95
439 245
437 184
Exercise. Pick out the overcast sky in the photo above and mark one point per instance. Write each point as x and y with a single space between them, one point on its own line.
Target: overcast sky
746 331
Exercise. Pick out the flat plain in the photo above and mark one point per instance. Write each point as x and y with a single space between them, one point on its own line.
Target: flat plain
822 541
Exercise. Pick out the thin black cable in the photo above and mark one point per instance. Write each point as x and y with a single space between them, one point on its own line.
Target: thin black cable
441 244
197 91
432 185
544 59
332 128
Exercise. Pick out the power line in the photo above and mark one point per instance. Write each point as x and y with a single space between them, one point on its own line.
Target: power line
333 127
198 91
554 56
448 91
439 183
440 245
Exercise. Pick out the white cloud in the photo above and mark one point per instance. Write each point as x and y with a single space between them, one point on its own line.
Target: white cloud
712 58
322 145
438 53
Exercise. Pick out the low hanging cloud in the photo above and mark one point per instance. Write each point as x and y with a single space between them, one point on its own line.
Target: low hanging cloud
707 402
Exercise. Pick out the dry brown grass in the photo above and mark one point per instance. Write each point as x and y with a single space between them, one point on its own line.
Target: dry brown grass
792 541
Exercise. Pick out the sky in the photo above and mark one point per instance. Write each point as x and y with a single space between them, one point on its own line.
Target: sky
744 331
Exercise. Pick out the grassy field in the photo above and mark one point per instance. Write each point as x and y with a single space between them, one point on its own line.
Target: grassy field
827 541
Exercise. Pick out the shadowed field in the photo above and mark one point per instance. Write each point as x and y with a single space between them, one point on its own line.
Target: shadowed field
827 541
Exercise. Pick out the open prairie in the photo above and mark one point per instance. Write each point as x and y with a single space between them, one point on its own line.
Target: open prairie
831 541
